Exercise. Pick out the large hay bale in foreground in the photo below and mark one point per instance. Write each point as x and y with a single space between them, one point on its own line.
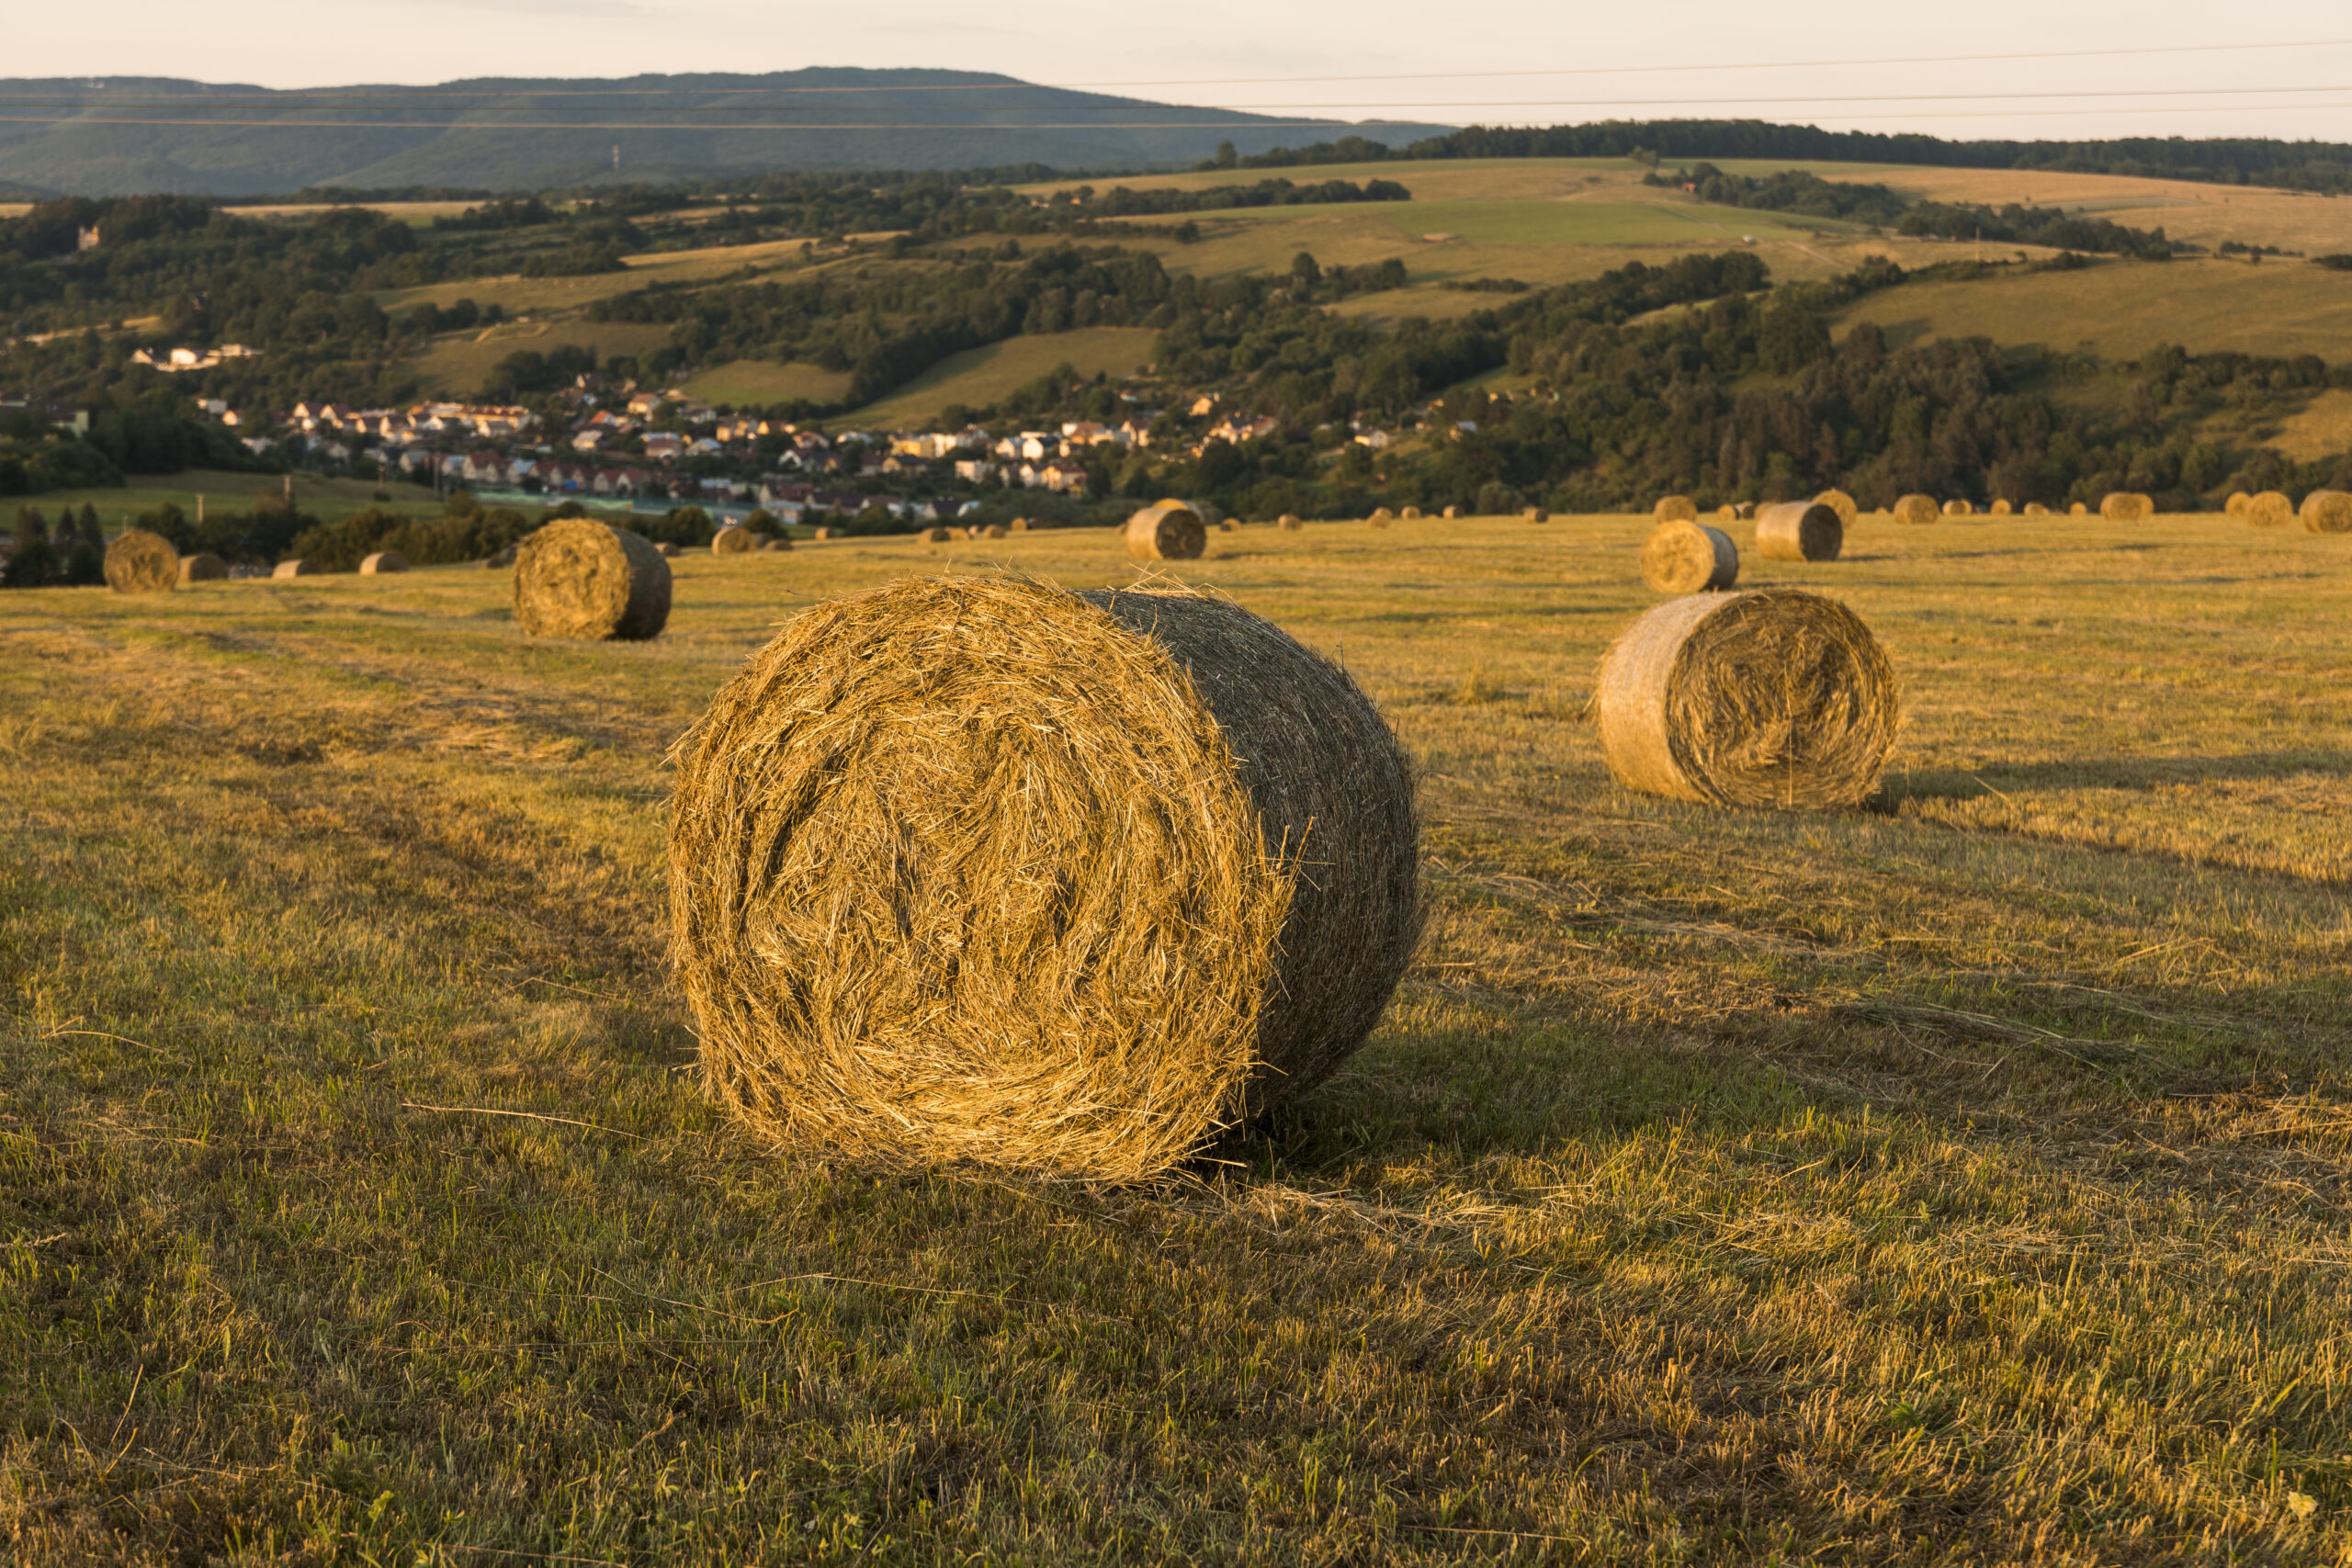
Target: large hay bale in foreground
1838 500
2126 506
1799 530
302 566
2270 509
1918 509
1688 557
578 578
2328 512
1776 698
204 567
733 540
982 869
382 563
1170 531
1674 508
141 562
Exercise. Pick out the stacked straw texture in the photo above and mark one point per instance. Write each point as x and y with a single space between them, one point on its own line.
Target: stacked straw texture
1799 530
1775 698
141 562
981 870
2328 512
2126 506
204 567
1674 508
1170 531
1838 500
1688 557
579 578
1917 509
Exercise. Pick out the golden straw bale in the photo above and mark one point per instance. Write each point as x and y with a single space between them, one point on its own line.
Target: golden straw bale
2271 508
1230 525
2035 509
1726 513
578 578
1958 507
2078 510
936 535
1838 500
824 531
1170 531
1918 509
1410 515
980 869
1674 508
1288 524
2000 507
1799 530
1688 557
203 568
1776 698
993 531
1536 514
1019 525
1452 514
2328 512
141 562
1743 510
779 543
2126 506
2237 503
734 539
298 567
383 563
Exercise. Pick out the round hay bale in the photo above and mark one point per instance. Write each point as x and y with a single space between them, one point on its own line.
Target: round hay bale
1918 509
1452 514
1688 557
578 578
1020 525
993 531
827 531
1799 530
980 870
503 559
1838 500
1745 509
1228 526
1378 519
2328 512
1410 515
2236 506
936 535
1957 507
300 566
1170 531
780 542
203 568
1536 514
1726 513
2078 510
1674 508
2126 506
2035 509
667 551
1288 524
2000 507
141 562
734 539
2270 509
1775 698
382 563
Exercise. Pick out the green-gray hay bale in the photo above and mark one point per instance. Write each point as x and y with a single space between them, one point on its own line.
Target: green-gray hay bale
579 578
203 568
1170 531
1838 500
733 540
141 562
2270 509
2236 506
2328 512
2126 506
298 567
1799 530
382 563
1958 507
1918 509
936 535
1688 557
1776 698
1288 524
1674 508
980 870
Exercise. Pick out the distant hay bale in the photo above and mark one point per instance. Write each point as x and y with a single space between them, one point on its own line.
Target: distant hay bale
1170 531
2126 506
2035 509
1959 507
1536 514
733 540
667 551
301 567
1452 514
1838 500
781 542
141 562
983 871
1743 510
2328 512
1688 557
827 531
1288 524
2270 509
383 563
1674 508
1918 509
2078 510
203 568
993 531
2237 503
1410 515
1799 530
1018 525
1726 513
936 535
1228 526
1381 517
1776 698
2000 507
578 578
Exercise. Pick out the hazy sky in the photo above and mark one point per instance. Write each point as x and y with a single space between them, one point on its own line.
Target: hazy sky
1589 55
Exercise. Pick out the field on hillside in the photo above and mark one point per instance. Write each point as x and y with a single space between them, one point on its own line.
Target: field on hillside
458 365
1961 1179
755 384
980 376
329 498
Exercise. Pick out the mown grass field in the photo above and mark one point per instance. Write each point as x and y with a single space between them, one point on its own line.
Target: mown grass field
980 378
754 383
1962 1179
328 497
460 365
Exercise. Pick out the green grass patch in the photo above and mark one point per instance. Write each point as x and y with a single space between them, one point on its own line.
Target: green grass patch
752 383
980 376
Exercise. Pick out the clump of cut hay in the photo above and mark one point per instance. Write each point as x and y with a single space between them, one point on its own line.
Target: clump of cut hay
1776 698
936 535
2000 507
734 539
1288 524
1688 557
2035 509
2126 506
993 531
1838 500
2328 512
1799 530
1918 509
300 566
1536 514
1170 531
203 568
1674 508
141 562
1452 514
1957 507
2237 503
382 563
2270 509
980 869
1410 515
579 578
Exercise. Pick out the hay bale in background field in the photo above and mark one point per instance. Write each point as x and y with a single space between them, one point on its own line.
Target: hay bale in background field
1288 524
993 531
383 563
2078 510
984 871
2237 503
1918 509
1019 525
2271 508
1745 511
301 567
779 543
2126 506
2000 507
1410 515
2328 512
667 551
1688 557
141 562
824 531
1170 531
203 568
1536 514
733 540
1799 530
1228 526
1957 507
1838 500
1776 698
578 578
1452 514
935 535
1726 513
2035 509
1674 508
1381 517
